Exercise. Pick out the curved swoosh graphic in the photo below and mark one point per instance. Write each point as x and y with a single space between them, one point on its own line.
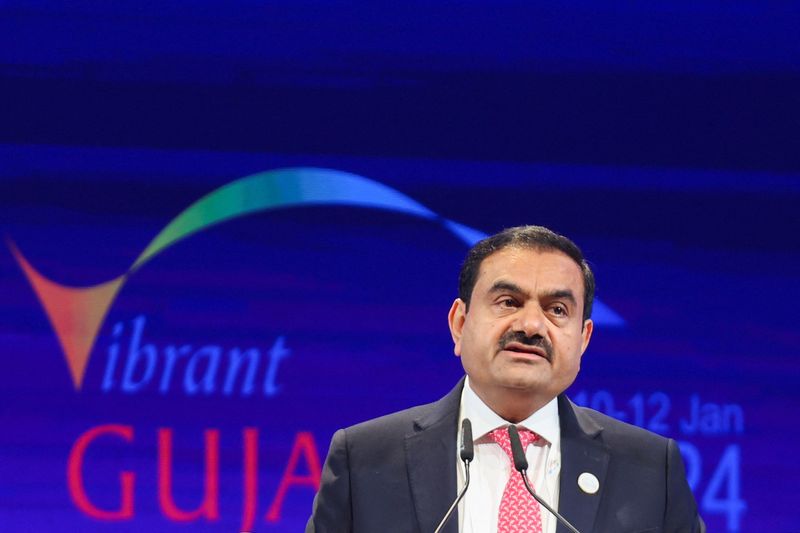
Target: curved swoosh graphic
77 313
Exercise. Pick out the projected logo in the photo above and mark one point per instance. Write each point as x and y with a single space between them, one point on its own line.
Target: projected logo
77 313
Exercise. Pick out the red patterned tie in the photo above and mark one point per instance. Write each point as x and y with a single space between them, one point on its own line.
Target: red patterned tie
519 512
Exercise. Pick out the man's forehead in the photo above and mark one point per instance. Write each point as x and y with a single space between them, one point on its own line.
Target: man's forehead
529 257
521 266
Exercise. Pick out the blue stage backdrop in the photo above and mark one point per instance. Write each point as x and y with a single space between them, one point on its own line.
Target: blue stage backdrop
183 332
229 229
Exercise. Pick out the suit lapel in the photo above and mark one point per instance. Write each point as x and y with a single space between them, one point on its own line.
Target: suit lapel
581 451
430 458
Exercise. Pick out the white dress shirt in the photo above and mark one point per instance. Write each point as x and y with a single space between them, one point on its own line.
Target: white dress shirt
489 470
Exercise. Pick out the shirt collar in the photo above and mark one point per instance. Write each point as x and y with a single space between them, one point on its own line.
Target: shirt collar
543 422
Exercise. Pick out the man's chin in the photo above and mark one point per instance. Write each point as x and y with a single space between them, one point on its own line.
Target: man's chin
525 384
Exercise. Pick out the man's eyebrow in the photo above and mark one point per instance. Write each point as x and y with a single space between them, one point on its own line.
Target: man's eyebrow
506 286
555 294
561 294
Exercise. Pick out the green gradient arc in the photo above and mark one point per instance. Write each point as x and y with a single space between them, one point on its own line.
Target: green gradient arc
278 189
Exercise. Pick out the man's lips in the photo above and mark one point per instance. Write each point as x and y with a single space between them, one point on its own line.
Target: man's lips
518 347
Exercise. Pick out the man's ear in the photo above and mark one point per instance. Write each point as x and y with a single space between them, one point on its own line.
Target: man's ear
586 333
455 318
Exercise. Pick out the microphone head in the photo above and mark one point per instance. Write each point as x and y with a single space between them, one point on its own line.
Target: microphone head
520 463
467 450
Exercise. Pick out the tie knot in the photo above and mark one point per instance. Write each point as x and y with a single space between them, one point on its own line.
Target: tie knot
500 436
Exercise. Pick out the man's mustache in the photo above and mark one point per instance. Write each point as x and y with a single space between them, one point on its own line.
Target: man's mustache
533 340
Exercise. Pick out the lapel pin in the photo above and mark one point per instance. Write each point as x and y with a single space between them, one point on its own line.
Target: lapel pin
588 483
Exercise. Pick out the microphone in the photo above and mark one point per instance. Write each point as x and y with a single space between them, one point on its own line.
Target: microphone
467 453
521 464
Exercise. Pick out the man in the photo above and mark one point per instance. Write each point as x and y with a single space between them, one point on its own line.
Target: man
520 325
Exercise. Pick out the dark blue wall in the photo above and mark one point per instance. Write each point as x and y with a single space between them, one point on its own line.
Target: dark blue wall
663 139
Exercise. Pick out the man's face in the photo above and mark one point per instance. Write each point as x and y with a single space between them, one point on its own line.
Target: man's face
524 333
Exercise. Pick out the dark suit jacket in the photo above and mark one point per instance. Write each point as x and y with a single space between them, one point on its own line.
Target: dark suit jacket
397 473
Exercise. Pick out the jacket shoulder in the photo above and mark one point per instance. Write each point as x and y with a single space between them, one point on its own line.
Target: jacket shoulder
394 427
621 437
390 427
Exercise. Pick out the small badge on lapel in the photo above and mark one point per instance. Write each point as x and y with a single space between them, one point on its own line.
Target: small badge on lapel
588 483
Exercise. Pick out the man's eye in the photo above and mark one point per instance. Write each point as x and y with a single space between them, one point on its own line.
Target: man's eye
559 310
508 302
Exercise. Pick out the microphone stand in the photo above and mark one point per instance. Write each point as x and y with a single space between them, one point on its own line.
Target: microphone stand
521 465
458 499
467 453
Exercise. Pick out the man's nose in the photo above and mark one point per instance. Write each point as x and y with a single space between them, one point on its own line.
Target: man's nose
530 320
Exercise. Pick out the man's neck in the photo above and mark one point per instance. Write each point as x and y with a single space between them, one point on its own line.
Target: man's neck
512 405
